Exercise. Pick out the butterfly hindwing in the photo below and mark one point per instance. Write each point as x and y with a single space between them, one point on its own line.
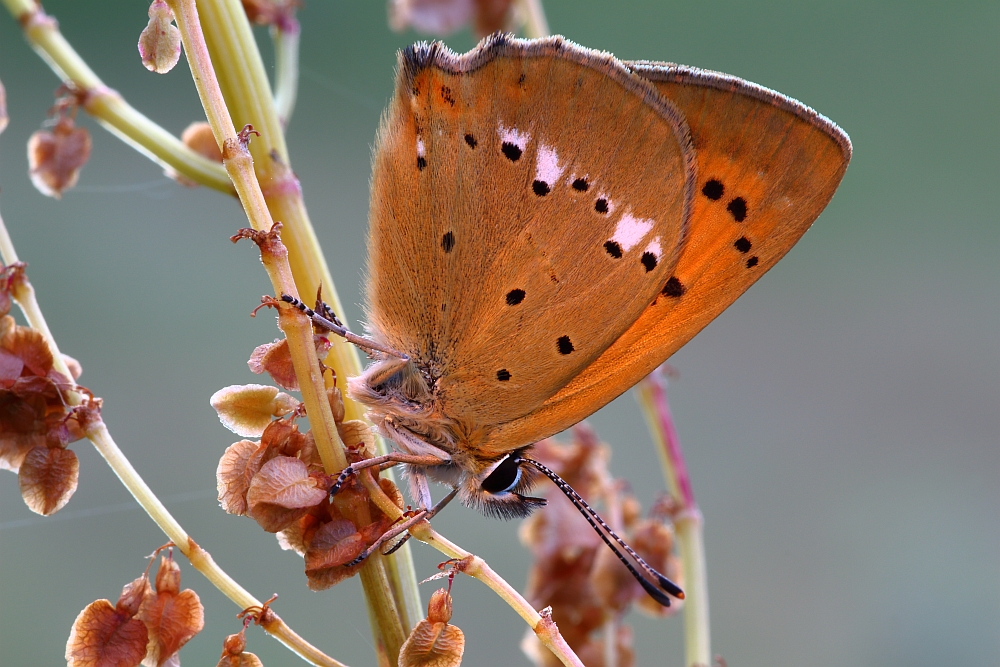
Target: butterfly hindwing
767 166
529 202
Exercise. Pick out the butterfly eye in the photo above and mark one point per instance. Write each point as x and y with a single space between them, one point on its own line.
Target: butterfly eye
504 477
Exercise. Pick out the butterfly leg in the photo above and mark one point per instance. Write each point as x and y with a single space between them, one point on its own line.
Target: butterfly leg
329 321
395 531
391 459
408 441
437 508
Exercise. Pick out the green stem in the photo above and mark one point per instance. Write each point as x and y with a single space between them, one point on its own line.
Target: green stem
691 544
652 393
286 70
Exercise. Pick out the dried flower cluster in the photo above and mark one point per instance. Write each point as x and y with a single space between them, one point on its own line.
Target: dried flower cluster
36 421
144 626
574 572
280 481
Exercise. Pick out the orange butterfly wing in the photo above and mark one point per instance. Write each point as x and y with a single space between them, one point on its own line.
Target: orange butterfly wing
767 167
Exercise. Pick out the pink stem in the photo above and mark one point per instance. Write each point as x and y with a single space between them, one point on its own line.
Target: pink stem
658 390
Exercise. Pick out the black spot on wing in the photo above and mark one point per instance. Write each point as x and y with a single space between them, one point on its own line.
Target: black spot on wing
614 249
540 188
448 242
470 141
511 151
601 205
743 244
713 189
752 262
421 163
738 208
673 288
648 261
515 296
564 345
581 185
503 374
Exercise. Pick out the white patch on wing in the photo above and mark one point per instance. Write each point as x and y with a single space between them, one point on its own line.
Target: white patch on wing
511 135
654 247
547 170
630 230
421 150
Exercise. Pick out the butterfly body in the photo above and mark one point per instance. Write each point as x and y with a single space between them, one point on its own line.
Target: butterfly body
548 224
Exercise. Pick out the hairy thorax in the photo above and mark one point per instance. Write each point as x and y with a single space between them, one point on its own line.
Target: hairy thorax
404 408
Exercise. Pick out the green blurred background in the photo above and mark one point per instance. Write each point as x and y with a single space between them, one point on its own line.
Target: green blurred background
841 420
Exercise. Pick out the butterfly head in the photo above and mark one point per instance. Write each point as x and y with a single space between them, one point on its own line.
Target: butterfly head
499 489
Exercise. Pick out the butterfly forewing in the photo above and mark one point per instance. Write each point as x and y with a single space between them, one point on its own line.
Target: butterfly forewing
530 201
767 166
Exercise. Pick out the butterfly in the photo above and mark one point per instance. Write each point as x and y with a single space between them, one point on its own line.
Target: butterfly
549 224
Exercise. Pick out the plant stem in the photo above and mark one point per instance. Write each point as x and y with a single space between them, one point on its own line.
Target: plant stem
239 62
286 69
243 81
107 106
690 540
688 521
535 24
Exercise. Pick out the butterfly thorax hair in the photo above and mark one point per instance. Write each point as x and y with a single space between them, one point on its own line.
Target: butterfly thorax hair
399 395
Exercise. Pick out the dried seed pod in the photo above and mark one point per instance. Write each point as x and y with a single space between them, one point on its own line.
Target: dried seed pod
331 547
55 157
48 478
234 474
198 136
281 492
108 636
172 616
275 359
160 40
233 654
434 642
247 409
